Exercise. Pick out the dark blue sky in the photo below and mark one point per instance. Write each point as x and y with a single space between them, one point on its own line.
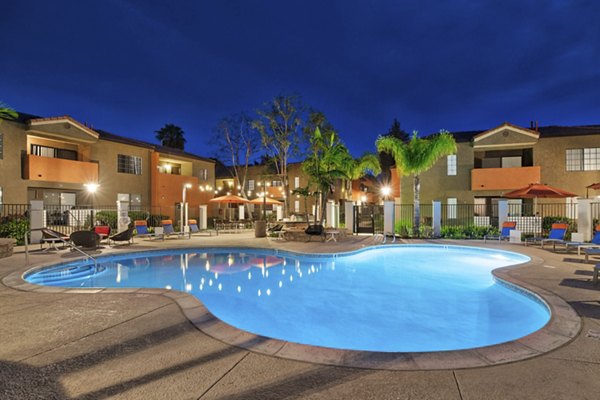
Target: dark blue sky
129 67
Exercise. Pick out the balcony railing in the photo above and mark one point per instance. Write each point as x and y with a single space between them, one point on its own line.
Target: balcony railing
504 178
38 168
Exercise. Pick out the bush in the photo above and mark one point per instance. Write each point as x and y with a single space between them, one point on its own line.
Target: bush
467 232
548 221
14 226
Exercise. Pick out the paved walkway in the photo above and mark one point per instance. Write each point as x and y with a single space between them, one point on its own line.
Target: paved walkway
141 346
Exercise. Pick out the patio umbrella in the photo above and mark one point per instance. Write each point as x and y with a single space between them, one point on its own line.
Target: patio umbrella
538 190
267 200
229 199
595 186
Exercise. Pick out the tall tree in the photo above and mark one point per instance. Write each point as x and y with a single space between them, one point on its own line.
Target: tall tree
325 164
416 157
237 141
7 112
386 160
279 126
171 136
356 168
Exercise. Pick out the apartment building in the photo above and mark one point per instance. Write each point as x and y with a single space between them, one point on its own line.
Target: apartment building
489 163
53 159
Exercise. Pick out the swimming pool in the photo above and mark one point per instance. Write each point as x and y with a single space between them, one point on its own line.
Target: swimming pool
405 298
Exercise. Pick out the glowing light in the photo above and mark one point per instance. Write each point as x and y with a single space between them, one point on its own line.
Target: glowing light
168 287
188 287
220 286
239 289
91 187
386 190
268 292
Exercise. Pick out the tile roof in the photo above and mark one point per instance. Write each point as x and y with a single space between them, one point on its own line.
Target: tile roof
545 131
104 135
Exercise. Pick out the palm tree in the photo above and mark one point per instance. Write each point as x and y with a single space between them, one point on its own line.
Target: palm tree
6 112
171 136
416 157
325 165
359 167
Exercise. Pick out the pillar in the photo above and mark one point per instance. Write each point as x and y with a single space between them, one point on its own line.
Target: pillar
436 220
389 216
584 218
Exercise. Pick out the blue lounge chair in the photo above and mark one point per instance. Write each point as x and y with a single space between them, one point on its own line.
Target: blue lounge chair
168 230
193 224
141 228
556 235
595 243
504 233
591 252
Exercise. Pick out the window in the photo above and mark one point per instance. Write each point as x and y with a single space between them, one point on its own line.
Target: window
251 184
129 164
1 146
451 208
296 182
587 159
276 183
591 159
203 174
296 205
452 164
1 196
134 200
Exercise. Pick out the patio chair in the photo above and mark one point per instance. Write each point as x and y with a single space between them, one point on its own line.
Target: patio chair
315 231
594 243
193 224
591 252
141 228
103 231
124 236
85 239
504 233
52 237
556 235
168 230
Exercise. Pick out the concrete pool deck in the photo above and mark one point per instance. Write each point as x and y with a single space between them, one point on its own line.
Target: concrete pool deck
109 343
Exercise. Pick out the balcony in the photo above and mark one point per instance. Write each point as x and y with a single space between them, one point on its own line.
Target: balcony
38 168
504 178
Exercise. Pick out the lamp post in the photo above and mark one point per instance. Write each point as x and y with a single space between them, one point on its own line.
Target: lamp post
265 186
184 214
92 188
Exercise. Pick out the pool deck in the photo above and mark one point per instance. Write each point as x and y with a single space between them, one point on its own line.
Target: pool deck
143 344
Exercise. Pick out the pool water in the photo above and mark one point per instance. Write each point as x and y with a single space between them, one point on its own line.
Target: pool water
394 299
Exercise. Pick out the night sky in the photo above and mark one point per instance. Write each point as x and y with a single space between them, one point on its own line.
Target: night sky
129 67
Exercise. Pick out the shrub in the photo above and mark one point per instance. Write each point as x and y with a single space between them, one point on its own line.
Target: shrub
14 226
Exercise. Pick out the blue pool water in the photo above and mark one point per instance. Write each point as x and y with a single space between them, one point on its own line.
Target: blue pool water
392 298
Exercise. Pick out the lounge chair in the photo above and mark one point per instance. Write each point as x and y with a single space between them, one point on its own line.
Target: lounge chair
141 228
315 230
168 230
595 243
53 237
556 235
591 252
124 236
193 224
85 239
504 233
103 231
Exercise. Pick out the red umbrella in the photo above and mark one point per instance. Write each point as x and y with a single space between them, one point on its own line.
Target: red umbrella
266 261
537 190
595 186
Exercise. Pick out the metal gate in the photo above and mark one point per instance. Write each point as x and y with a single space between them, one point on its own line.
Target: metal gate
368 218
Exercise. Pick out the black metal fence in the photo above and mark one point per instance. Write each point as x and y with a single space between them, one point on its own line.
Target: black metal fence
479 219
